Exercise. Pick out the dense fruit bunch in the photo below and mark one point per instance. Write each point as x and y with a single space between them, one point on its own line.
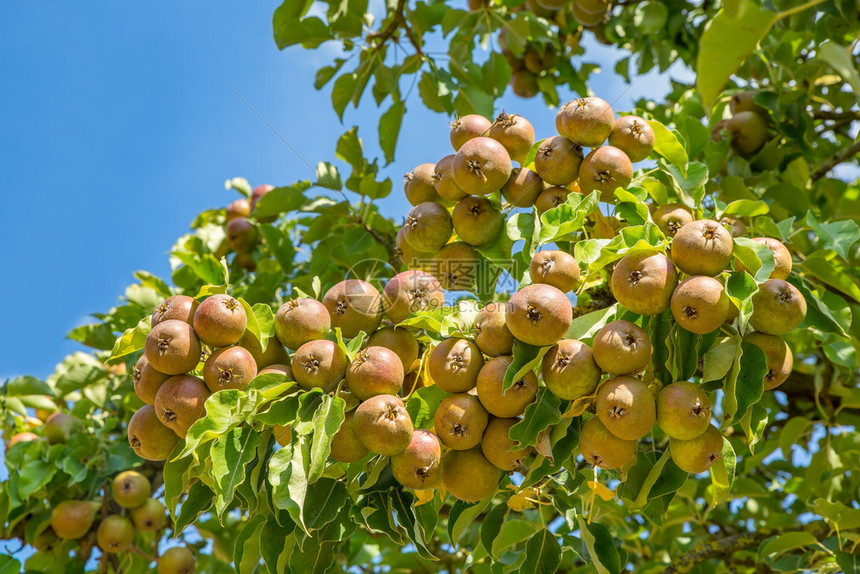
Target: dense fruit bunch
375 350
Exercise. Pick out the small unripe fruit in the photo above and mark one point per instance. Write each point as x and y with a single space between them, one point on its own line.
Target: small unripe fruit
523 187
383 425
586 121
702 247
177 560
454 365
130 489
71 519
150 516
476 221
634 136
147 380
626 407
550 198
622 347
671 217
242 236
558 160
115 534
467 128
468 475
443 180
510 403
460 420
700 304
556 268
418 466
778 307
319 364
602 449
781 258
482 166
220 320
229 368
524 84
604 169
496 445
683 410
418 184
456 266
345 444
492 335
428 227
173 348
148 436
539 315
354 306
698 454
410 292
514 132
749 132
60 426
181 402
301 320
644 281
569 370
375 371
178 307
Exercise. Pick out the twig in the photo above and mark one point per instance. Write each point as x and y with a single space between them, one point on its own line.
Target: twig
398 19
839 157
137 550
726 547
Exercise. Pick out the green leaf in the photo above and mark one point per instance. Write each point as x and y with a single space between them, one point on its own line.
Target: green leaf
725 45
462 515
601 547
745 208
526 358
328 177
288 477
838 235
389 129
588 325
229 456
246 549
199 500
26 385
491 527
323 502
750 382
132 340
326 420
847 561
422 405
840 59
538 416
722 474
642 497
567 217
281 200
785 542
667 145
756 257
543 554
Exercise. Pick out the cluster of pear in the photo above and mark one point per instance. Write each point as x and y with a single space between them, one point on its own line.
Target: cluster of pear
241 233
186 332
73 519
484 163
540 59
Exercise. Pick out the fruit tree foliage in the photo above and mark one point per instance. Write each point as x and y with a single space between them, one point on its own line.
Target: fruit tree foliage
782 495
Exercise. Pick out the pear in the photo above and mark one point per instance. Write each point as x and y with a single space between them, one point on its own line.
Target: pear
72 519
130 489
683 410
698 454
115 534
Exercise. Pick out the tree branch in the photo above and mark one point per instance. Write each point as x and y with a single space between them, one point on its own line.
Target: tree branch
843 155
726 547
398 19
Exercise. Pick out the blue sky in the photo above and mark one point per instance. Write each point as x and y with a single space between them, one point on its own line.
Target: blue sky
119 127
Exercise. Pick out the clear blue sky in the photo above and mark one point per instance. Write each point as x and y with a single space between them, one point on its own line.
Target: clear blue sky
119 127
